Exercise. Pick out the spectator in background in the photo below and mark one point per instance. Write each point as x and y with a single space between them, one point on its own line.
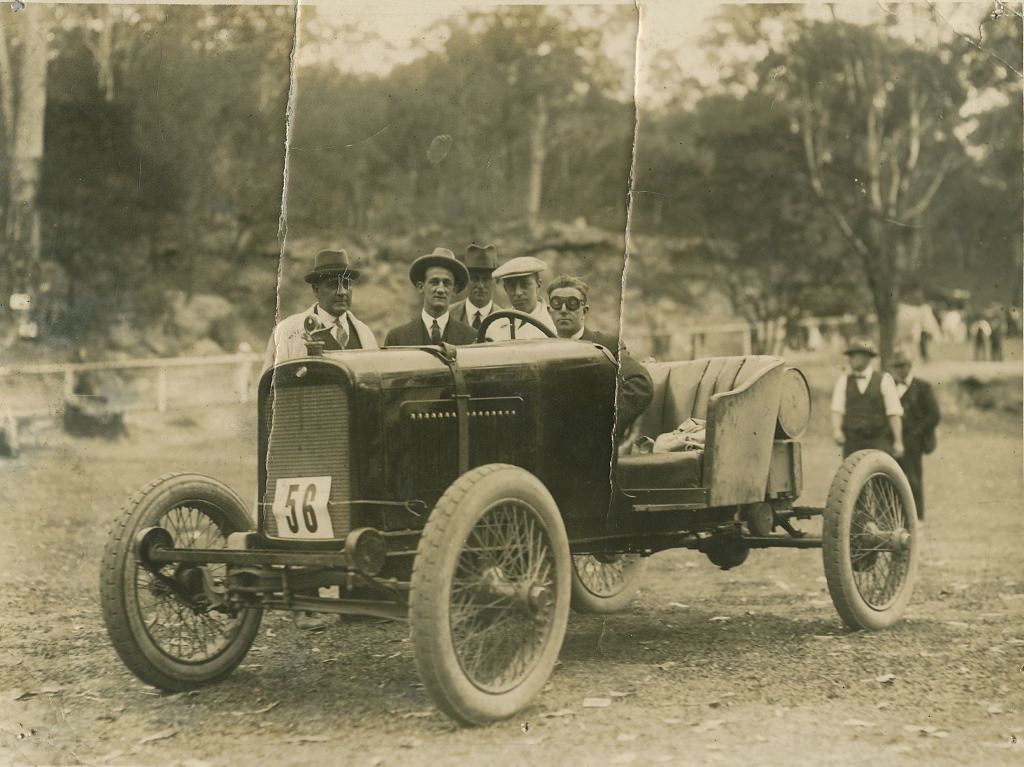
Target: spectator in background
920 417
981 332
866 410
997 323
481 260
953 326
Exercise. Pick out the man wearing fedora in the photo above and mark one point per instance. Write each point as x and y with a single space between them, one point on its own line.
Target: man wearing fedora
331 278
520 279
920 417
866 410
481 260
437 277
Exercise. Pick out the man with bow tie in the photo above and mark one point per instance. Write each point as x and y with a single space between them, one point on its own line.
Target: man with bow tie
481 260
332 278
866 410
920 417
437 277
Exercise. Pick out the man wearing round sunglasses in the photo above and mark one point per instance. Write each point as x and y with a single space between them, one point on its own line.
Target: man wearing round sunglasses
331 278
568 306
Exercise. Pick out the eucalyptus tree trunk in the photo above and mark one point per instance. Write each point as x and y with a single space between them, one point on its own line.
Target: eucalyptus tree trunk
22 233
538 155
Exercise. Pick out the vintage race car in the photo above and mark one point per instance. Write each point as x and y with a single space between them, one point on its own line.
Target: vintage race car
476 491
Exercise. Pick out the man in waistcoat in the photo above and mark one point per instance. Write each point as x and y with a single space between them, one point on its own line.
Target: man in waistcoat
437 277
920 417
481 260
866 410
331 278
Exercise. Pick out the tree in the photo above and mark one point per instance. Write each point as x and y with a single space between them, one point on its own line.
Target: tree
24 113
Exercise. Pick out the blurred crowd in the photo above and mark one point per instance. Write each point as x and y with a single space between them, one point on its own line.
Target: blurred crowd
918 325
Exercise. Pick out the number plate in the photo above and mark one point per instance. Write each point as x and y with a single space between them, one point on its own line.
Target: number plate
300 507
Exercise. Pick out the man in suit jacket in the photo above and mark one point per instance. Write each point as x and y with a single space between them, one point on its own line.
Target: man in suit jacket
920 417
481 260
567 304
437 277
332 277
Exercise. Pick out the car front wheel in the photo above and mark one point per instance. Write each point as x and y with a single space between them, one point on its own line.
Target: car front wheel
490 594
171 624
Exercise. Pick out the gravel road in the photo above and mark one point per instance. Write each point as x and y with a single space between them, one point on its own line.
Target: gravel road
749 666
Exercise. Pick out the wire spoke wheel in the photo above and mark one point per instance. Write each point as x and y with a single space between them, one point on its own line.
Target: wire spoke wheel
490 593
188 633
605 583
880 565
172 624
870 540
500 608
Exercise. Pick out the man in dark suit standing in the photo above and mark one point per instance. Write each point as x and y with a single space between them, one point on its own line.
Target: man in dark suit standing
567 304
481 260
437 277
920 417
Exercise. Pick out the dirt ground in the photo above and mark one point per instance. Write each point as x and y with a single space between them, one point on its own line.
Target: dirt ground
749 666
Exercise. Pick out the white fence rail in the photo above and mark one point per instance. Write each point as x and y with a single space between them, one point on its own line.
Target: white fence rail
140 384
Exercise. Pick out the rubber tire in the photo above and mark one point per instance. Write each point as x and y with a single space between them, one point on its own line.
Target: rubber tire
586 601
117 583
846 487
452 519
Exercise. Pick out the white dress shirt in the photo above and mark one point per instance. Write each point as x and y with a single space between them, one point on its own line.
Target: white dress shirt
888 386
499 331
472 310
428 322
334 324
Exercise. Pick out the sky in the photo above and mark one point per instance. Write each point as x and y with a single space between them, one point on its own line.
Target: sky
669 31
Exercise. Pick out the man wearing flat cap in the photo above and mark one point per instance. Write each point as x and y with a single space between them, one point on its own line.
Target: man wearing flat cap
520 279
920 417
437 277
481 260
866 410
331 278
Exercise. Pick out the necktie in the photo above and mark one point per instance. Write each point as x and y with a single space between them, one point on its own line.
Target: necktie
435 333
476 320
340 331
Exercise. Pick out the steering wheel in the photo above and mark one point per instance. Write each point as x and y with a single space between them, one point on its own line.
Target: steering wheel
510 315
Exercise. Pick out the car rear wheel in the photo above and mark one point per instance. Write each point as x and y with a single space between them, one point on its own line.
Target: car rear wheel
870 540
169 623
605 583
490 594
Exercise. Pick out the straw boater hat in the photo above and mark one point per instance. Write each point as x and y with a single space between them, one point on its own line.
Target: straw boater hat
519 267
331 262
862 346
440 257
482 258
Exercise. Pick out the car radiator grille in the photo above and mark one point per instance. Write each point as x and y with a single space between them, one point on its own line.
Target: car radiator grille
309 437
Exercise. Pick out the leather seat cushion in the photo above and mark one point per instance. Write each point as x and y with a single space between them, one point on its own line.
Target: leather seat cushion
660 470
